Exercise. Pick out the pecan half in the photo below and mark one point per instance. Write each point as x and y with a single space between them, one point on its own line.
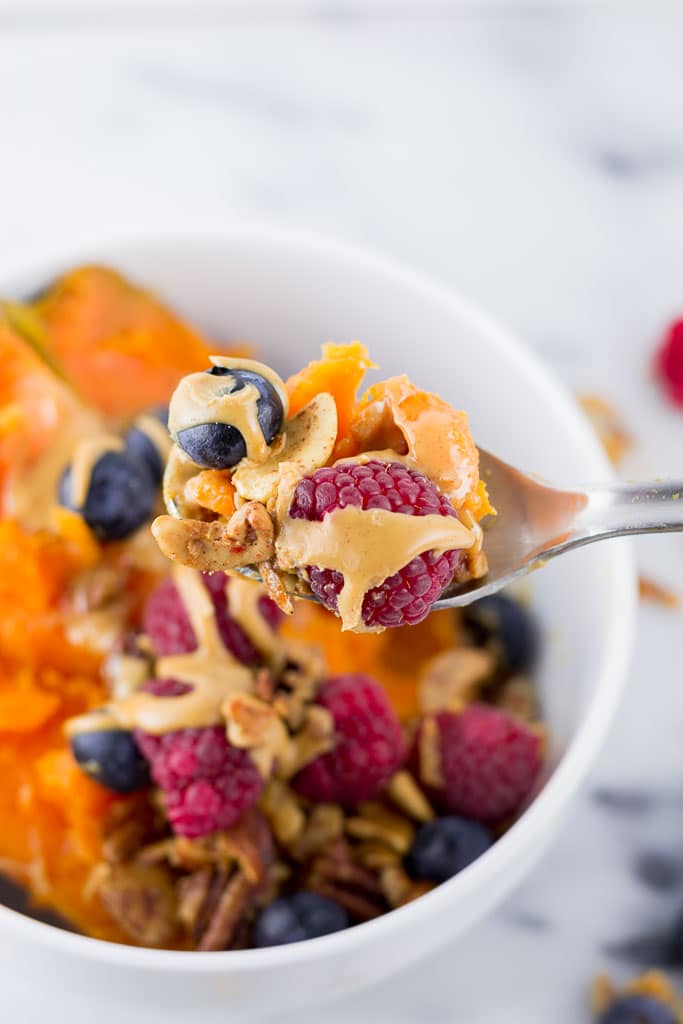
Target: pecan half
248 844
142 900
226 913
130 824
334 874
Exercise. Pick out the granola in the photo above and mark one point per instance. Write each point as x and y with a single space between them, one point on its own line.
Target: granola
187 752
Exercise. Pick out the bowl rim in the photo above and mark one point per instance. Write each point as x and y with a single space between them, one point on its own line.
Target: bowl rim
610 675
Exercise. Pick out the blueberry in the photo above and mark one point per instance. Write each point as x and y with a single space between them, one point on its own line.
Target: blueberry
213 445
111 757
304 915
120 497
638 1010
505 626
221 445
140 445
443 847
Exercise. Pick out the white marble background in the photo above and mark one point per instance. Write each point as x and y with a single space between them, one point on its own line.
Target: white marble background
531 157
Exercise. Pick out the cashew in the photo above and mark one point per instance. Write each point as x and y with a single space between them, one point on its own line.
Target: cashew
309 441
246 539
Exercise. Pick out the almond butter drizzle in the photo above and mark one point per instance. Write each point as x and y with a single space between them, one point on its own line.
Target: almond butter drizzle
125 674
243 602
212 671
267 372
157 433
83 460
366 546
32 494
203 398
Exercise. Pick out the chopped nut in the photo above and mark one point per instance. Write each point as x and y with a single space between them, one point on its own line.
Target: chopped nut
404 791
518 697
429 750
650 590
123 842
124 809
454 678
315 737
129 825
226 913
264 685
299 681
193 891
179 852
248 844
396 885
607 424
254 725
376 822
325 824
335 875
275 587
375 855
309 440
247 538
283 811
142 900
358 906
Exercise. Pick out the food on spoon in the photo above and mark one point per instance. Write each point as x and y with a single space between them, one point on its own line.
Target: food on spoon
377 535
183 766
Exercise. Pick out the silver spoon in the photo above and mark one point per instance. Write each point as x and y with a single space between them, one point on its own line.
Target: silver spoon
537 522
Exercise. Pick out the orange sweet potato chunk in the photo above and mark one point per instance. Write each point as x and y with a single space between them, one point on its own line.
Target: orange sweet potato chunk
37 410
340 372
396 414
394 658
50 813
123 350
212 489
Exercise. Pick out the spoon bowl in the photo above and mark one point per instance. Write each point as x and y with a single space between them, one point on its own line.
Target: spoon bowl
536 522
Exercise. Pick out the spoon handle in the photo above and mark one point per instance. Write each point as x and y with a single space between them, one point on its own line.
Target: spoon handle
619 509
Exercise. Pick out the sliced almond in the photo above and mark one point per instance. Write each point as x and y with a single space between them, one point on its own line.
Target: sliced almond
309 440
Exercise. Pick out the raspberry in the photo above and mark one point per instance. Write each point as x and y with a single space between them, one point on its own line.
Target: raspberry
407 596
207 783
669 362
369 743
489 762
167 623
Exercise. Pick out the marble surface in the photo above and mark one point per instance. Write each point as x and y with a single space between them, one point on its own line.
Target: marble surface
532 159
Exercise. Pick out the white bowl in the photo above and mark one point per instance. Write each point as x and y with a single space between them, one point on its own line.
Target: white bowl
288 293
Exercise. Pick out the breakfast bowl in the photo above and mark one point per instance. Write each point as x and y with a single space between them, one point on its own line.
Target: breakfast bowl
285 293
